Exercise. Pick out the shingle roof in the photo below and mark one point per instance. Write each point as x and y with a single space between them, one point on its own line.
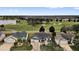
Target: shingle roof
19 34
41 36
0 33
67 35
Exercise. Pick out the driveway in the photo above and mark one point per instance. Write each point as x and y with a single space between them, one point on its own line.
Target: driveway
36 45
62 42
6 47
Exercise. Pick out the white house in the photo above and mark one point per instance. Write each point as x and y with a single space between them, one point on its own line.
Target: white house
2 36
5 22
10 39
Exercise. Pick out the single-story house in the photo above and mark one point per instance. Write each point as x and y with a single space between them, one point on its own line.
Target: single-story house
10 39
16 36
68 36
2 36
41 37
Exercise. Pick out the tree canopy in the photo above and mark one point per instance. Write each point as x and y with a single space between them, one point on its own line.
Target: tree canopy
76 27
51 29
42 29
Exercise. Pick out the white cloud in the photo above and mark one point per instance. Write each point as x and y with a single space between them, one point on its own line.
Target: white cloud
14 10
39 3
76 7
54 7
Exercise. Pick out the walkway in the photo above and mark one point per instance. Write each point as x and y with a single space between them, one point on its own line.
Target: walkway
5 47
62 42
36 45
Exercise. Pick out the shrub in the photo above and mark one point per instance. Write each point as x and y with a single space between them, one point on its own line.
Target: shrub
15 44
76 28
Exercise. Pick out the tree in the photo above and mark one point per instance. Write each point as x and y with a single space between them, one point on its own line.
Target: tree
64 29
60 20
53 33
1 25
51 29
42 29
76 28
18 21
2 28
47 20
51 20
56 20
69 20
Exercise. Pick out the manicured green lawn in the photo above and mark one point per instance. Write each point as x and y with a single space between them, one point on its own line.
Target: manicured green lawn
24 26
51 47
75 48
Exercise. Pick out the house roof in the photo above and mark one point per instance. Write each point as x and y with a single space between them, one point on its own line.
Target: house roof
1 33
19 35
41 36
67 35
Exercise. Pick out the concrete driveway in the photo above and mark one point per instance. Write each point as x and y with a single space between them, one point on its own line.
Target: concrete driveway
6 47
62 42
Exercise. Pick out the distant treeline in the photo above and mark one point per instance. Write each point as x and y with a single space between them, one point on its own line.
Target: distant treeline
41 18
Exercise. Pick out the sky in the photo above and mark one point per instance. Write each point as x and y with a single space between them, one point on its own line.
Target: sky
39 10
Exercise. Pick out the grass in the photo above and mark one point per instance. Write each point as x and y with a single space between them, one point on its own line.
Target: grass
51 47
24 26
1 42
75 48
24 47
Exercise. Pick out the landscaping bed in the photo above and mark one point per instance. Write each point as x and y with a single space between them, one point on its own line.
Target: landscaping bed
24 47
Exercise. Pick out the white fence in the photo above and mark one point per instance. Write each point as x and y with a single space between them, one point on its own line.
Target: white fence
5 22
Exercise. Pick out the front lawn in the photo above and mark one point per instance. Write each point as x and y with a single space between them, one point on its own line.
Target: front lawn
24 47
51 47
74 48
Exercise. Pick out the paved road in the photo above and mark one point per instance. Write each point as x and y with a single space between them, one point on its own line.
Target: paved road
62 42
6 47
